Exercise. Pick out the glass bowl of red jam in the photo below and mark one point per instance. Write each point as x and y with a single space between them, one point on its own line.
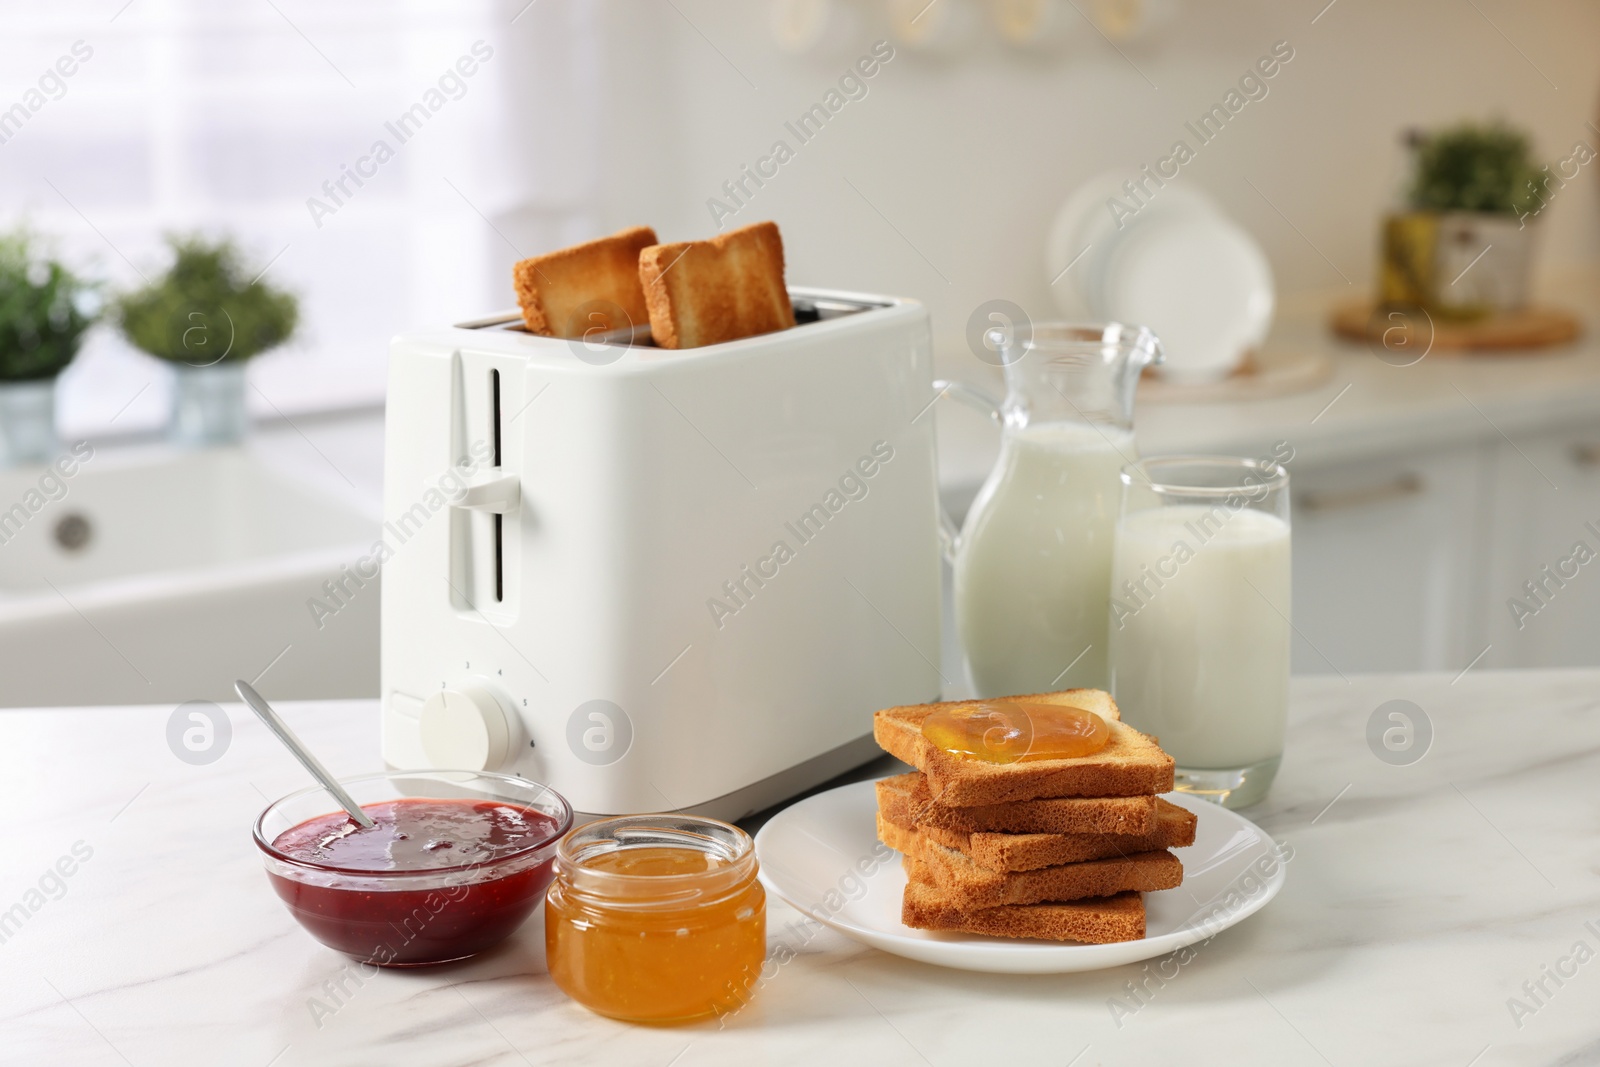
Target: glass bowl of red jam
454 862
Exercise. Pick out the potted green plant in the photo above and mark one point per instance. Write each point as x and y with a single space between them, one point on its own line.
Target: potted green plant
207 316
1464 247
45 309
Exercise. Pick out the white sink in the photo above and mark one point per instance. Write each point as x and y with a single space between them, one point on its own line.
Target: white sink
162 577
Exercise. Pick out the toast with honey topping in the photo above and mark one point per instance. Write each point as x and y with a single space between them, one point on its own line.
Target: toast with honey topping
587 287
897 828
1130 764
1052 815
707 292
964 884
1096 921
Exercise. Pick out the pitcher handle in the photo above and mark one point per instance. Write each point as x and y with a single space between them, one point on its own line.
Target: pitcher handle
973 397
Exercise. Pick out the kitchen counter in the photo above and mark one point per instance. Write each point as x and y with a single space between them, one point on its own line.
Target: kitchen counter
1366 408
1372 406
1419 900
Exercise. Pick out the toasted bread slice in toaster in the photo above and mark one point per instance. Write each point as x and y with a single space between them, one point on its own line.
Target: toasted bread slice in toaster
707 292
586 287
1131 764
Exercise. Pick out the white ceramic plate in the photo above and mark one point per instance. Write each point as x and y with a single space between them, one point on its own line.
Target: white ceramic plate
823 857
1178 266
1084 234
1199 281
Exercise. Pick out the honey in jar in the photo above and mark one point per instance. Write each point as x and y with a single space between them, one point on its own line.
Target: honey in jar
1014 731
656 918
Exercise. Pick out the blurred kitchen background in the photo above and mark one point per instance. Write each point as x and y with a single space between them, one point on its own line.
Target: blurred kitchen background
1428 493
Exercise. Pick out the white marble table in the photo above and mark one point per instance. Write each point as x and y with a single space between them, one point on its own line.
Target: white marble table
1420 899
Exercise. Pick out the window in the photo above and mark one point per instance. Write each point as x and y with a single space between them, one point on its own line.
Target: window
363 152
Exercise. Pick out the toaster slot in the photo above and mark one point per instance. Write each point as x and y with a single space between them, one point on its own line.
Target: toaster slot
821 309
809 305
499 519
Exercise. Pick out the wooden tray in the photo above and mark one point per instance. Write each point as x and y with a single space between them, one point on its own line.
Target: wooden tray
1529 329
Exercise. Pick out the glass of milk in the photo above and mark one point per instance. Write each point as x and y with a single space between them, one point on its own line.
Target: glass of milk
1199 617
1033 560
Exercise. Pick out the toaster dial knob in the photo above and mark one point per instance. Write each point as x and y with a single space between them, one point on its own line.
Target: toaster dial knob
465 729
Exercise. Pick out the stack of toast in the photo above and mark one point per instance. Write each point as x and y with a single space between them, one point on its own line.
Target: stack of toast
692 293
1058 849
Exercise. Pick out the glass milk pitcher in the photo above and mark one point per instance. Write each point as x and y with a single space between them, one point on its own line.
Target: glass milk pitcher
1033 559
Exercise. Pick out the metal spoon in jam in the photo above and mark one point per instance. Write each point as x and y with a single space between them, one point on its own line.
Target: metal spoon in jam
1011 731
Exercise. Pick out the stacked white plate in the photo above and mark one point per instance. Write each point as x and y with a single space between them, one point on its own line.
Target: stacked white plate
1177 265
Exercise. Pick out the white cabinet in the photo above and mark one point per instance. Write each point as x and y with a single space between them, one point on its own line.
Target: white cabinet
1542 605
1423 562
1387 566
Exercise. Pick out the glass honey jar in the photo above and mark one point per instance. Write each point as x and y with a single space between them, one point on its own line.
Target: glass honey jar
656 918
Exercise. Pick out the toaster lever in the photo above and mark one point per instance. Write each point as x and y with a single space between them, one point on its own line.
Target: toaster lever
493 491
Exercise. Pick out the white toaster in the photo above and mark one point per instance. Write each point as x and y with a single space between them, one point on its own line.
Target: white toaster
660 579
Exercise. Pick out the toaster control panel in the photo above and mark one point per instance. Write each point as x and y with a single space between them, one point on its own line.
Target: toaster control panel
467 728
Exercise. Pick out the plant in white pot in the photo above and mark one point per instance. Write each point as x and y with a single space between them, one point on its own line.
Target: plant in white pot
45 309
207 317
1464 249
